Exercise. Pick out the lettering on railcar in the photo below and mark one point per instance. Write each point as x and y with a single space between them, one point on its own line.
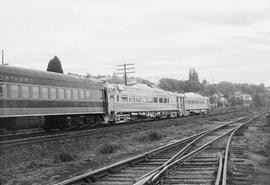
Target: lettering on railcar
9 78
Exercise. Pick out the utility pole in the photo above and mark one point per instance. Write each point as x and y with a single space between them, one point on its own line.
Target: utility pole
124 69
3 62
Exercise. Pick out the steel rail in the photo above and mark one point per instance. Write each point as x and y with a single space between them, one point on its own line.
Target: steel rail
225 166
219 172
154 177
66 135
183 150
5 137
94 175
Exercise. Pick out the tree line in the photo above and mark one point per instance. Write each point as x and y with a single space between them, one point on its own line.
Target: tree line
224 88
193 84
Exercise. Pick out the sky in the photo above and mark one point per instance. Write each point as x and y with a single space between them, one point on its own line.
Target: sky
226 40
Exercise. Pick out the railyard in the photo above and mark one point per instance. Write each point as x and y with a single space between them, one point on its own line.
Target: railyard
134 92
55 161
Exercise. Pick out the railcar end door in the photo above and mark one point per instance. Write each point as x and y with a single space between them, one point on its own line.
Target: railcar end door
111 103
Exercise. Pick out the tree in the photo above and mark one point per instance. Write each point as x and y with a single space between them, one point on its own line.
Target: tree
193 75
256 100
55 65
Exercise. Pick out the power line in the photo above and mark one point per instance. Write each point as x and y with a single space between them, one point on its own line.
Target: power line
125 70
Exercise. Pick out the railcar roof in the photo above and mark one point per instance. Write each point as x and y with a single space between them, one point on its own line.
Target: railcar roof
32 73
193 95
144 87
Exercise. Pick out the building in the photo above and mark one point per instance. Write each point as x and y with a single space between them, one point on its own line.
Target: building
247 99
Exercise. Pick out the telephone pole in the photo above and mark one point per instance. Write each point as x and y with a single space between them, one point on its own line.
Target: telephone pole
3 62
124 69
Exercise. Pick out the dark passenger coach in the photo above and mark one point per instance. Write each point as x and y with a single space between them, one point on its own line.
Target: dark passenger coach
60 100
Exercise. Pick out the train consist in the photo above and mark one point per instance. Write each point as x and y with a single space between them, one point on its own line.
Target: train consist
63 101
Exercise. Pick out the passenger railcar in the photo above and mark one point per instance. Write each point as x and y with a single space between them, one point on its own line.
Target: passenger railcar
196 104
60 99
127 102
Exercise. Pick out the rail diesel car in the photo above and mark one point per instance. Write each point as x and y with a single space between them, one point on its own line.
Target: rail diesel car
63 101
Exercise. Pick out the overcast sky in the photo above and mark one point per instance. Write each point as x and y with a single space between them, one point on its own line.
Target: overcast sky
223 40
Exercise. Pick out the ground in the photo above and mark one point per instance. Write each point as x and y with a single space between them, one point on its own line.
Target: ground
54 161
257 138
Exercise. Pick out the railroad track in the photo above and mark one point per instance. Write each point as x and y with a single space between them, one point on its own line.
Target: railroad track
36 133
194 160
37 137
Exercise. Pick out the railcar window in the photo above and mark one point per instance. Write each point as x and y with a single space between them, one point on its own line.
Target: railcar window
160 100
87 94
14 91
68 94
81 94
75 94
155 99
96 95
165 100
117 97
149 99
25 92
168 100
61 94
35 92
138 99
144 99
3 91
44 93
131 98
52 93
124 98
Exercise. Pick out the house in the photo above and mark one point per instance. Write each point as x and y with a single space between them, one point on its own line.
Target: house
247 99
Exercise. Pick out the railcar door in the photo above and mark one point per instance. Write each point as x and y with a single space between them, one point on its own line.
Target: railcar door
177 102
111 104
182 103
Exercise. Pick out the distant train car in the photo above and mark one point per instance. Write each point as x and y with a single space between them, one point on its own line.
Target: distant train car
60 99
128 102
196 104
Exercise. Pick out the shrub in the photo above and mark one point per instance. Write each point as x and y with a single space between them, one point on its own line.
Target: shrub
63 157
108 148
150 136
